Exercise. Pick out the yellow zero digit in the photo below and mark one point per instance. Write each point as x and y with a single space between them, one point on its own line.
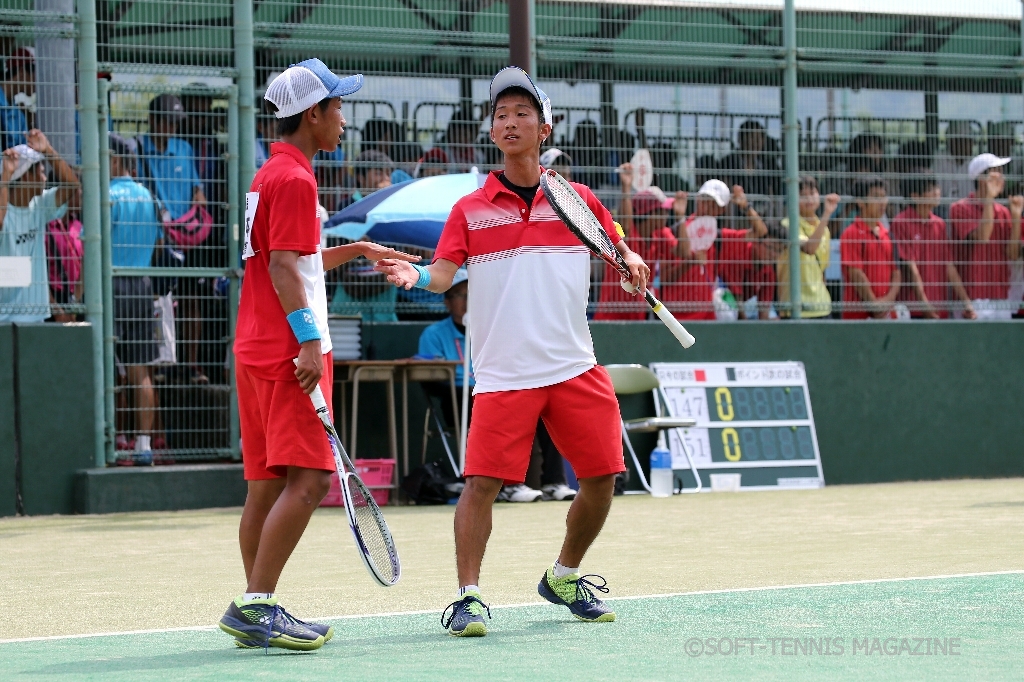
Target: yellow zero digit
723 401
731 442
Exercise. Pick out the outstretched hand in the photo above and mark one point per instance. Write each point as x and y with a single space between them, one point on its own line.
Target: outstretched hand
399 272
376 252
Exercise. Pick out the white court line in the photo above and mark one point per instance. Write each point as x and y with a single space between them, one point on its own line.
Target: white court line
391 614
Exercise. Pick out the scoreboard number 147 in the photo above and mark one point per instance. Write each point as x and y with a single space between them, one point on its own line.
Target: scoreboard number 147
755 428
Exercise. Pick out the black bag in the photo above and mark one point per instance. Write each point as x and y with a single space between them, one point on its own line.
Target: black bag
426 484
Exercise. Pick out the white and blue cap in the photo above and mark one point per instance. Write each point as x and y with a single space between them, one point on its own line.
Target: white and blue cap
515 77
461 275
302 85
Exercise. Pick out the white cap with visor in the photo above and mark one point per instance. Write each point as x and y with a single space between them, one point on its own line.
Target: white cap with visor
302 85
515 77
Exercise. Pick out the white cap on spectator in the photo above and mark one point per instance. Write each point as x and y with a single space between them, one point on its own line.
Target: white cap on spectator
461 275
302 85
27 157
717 190
514 77
982 162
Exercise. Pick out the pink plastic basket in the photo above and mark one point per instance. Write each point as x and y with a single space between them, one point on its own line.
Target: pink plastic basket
374 472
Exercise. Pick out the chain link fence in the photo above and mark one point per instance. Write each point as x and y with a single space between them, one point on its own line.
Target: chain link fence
891 109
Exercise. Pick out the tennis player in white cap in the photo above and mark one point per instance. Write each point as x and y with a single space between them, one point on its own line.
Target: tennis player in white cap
282 316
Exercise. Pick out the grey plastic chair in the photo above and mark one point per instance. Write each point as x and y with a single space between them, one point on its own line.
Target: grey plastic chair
632 379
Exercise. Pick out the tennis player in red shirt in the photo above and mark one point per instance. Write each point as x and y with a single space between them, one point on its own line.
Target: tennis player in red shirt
282 315
871 280
988 239
529 281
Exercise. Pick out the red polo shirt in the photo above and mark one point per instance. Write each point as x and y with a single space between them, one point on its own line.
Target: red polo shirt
860 248
983 265
529 286
924 242
614 302
692 291
286 219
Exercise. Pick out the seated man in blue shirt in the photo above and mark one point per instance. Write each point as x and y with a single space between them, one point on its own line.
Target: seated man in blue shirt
134 231
447 340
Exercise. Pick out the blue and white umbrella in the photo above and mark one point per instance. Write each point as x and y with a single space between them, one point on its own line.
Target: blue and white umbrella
412 212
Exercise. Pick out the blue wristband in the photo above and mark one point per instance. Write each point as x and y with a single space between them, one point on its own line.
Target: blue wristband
303 325
424 281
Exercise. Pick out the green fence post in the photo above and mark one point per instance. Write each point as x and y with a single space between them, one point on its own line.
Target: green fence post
246 67
233 205
789 126
102 89
93 260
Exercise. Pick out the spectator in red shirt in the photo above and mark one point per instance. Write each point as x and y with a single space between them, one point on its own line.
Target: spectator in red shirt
925 252
690 296
988 239
872 280
644 216
744 269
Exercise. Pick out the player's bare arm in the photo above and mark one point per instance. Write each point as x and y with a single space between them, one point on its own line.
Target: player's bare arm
641 274
402 274
338 255
284 273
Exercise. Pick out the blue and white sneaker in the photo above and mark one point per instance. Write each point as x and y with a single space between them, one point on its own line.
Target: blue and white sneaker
576 592
467 616
263 623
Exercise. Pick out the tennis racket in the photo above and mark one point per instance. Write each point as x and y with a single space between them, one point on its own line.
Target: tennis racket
582 222
369 529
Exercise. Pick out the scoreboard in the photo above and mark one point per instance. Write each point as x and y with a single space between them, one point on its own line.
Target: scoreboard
755 428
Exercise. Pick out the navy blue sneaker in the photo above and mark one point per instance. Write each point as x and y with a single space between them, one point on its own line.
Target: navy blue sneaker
326 631
576 592
467 616
262 623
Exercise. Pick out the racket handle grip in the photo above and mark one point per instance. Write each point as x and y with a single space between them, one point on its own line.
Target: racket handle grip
684 337
317 396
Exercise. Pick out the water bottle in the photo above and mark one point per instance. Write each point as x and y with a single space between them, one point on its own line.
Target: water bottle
661 473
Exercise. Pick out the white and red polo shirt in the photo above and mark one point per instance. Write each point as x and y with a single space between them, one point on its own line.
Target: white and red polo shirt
286 219
529 283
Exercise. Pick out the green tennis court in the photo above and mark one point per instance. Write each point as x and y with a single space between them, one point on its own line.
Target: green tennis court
840 583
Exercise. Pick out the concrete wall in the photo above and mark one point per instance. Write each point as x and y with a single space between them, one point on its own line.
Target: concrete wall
892 401
54 394
8 471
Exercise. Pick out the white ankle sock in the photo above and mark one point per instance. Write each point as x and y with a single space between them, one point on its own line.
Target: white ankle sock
142 444
561 571
249 596
468 588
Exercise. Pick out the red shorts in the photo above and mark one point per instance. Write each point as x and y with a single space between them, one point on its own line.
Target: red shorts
279 426
581 414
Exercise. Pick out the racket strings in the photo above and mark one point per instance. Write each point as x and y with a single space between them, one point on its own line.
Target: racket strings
578 215
373 532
